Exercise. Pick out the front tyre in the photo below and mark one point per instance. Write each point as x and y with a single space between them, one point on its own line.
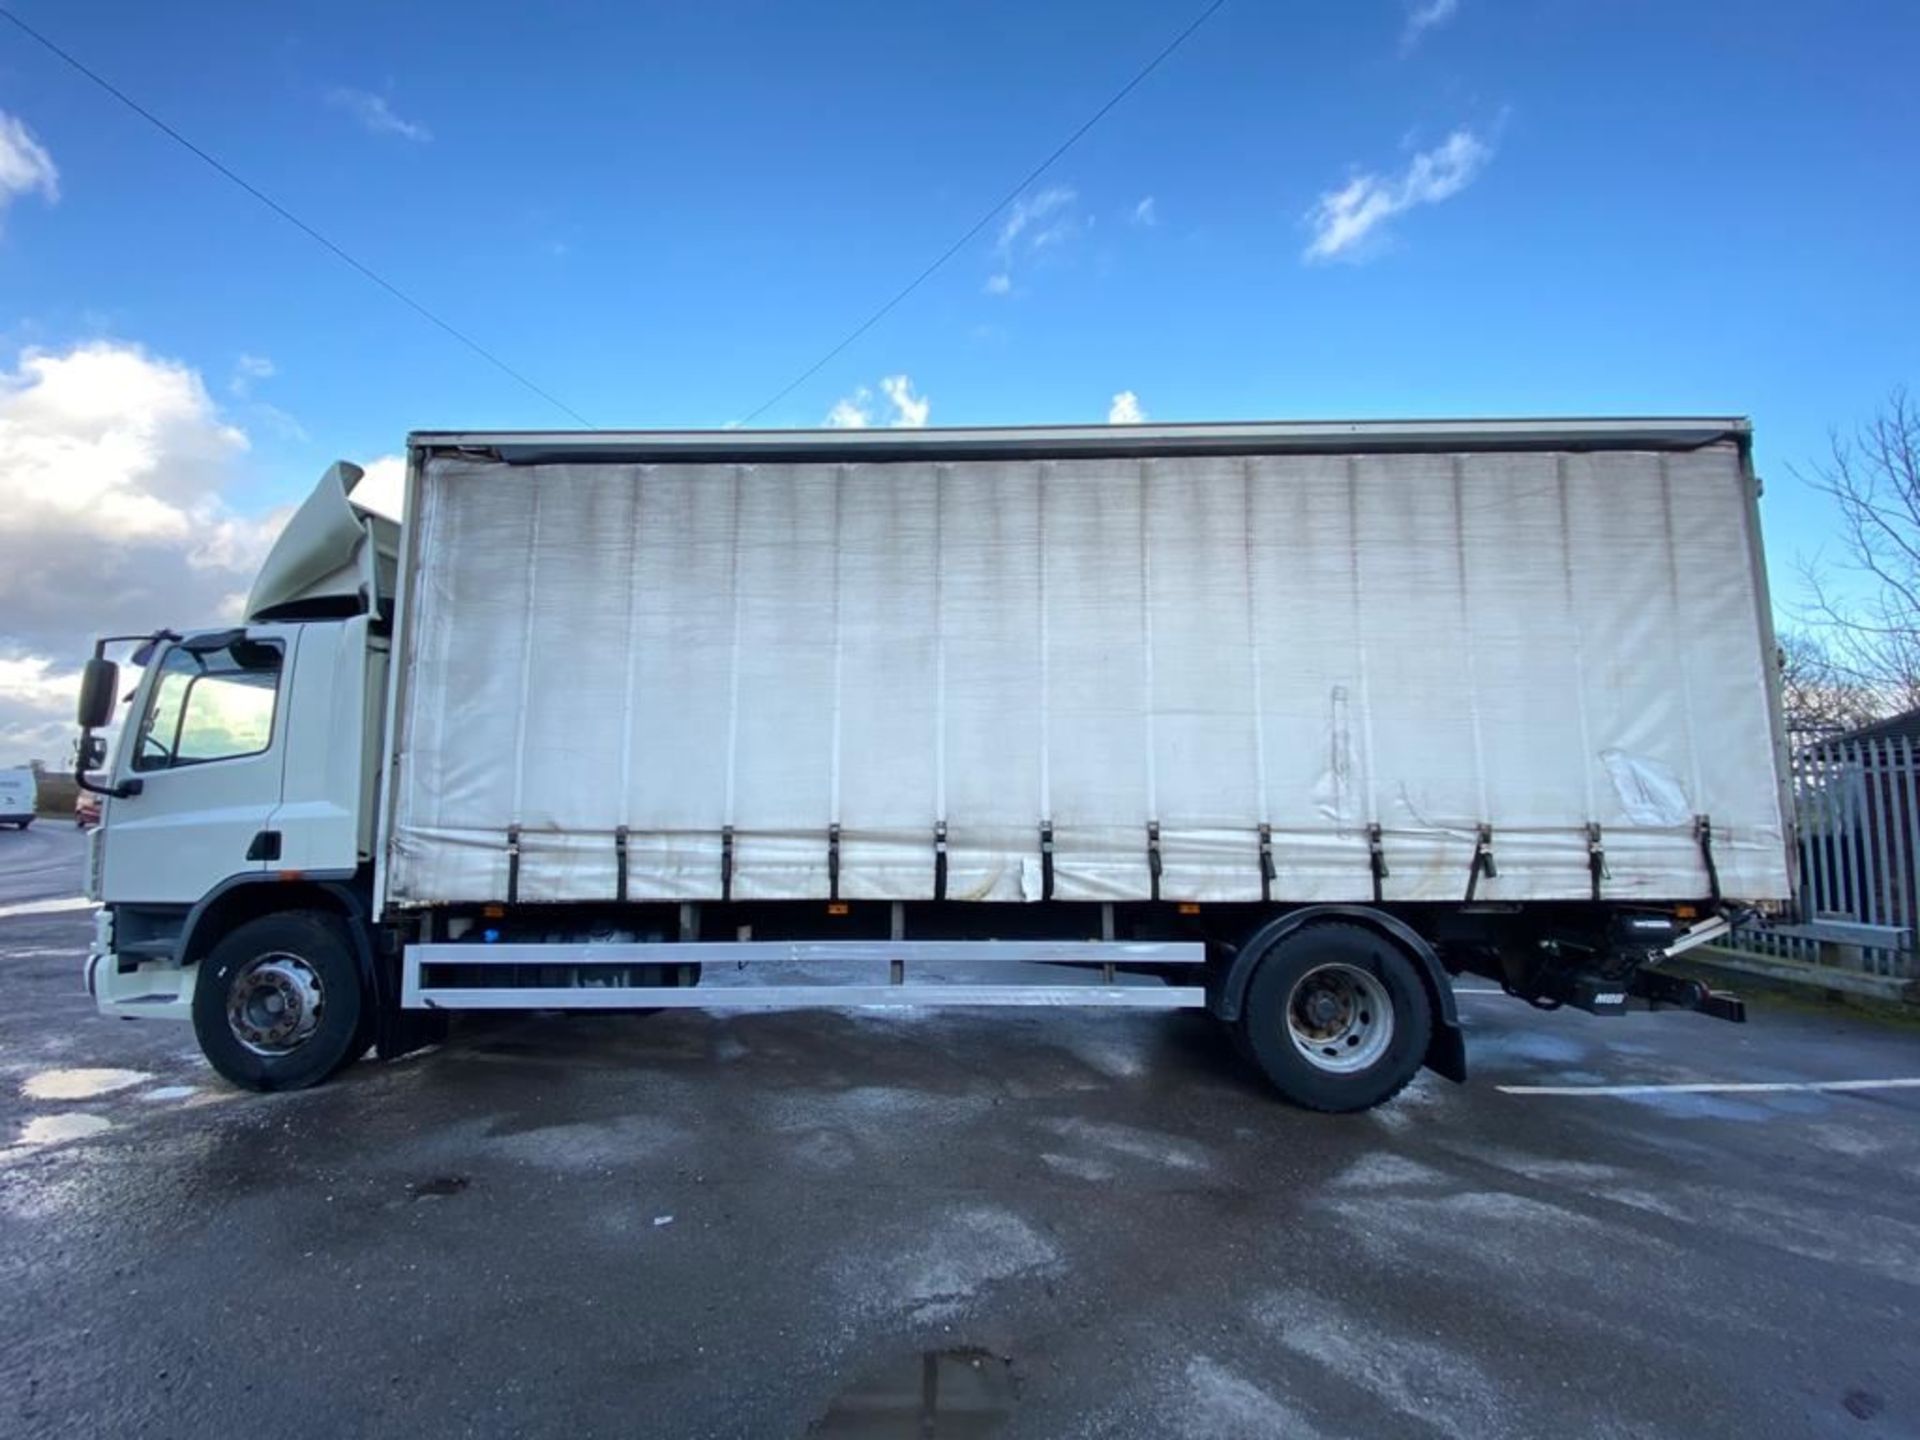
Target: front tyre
1337 1018
279 1002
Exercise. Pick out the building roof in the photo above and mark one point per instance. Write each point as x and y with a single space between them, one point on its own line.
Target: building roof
1904 726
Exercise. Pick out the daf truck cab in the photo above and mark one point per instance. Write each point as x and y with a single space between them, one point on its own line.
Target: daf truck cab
242 792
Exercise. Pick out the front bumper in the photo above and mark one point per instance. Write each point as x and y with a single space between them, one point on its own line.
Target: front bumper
144 990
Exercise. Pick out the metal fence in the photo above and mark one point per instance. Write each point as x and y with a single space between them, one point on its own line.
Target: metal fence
1857 808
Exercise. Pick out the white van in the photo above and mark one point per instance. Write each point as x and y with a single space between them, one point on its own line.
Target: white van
19 792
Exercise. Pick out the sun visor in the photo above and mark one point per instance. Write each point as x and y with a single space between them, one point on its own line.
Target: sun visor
333 558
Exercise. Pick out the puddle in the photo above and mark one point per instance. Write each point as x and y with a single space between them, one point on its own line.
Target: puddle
55 1129
439 1187
162 1093
943 1394
80 1084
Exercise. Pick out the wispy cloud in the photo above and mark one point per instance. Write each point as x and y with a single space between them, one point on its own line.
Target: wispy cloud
376 116
246 370
1125 410
1343 219
1424 15
1146 212
1036 223
856 411
25 165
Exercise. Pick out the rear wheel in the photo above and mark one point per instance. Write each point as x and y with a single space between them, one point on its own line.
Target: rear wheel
279 1002
1337 1018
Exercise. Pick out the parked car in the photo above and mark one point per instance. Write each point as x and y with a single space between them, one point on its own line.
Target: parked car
19 794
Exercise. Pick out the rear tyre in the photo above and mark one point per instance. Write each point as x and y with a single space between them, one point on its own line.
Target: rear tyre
1337 1018
279 1002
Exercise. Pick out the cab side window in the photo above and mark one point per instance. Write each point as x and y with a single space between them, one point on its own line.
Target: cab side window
212 703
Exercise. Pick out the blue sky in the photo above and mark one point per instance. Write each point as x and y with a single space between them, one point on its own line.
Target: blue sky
661 213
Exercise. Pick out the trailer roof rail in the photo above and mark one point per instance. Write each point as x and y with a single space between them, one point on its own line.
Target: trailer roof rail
537 447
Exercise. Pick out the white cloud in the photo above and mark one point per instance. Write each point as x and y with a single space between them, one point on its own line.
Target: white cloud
383 486
115 472
852 412
110 444
36 710
1424 15
375 115
1125 410
25 165
909 410
1036 223
1342 219
1146 212
856 411
36 682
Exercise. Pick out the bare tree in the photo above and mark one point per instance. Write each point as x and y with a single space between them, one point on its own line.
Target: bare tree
1819 700
1868 603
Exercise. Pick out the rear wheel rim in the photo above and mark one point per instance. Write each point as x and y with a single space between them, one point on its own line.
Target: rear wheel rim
274 1003
1340 1018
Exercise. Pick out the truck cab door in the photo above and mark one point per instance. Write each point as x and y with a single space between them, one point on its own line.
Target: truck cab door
205 748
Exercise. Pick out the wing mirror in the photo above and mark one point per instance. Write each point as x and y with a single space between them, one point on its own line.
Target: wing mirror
99 692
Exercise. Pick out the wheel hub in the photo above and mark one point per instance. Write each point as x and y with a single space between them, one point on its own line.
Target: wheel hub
1323 1009
1340 1018
274 1003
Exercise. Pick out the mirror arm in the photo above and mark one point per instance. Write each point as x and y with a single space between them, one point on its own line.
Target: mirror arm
126 789
85 756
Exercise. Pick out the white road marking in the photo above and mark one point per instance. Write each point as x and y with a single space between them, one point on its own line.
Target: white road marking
47 907
1728 1087
1458 990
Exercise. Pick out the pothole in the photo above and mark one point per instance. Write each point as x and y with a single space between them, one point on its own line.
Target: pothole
437 1188
956 1394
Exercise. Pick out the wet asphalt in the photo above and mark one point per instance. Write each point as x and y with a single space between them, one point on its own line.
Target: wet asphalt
685 1225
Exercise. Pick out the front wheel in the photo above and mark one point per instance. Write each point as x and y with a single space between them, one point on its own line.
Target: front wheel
279 1002
1337 1018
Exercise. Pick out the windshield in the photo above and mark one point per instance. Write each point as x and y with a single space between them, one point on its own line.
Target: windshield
210 702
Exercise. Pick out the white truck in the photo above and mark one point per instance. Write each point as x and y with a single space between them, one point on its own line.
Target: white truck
19 796
1291 722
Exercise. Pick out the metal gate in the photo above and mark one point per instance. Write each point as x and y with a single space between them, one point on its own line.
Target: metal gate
1857 812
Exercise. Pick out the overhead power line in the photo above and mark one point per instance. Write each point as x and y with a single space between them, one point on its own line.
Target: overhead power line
294 220
986 219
